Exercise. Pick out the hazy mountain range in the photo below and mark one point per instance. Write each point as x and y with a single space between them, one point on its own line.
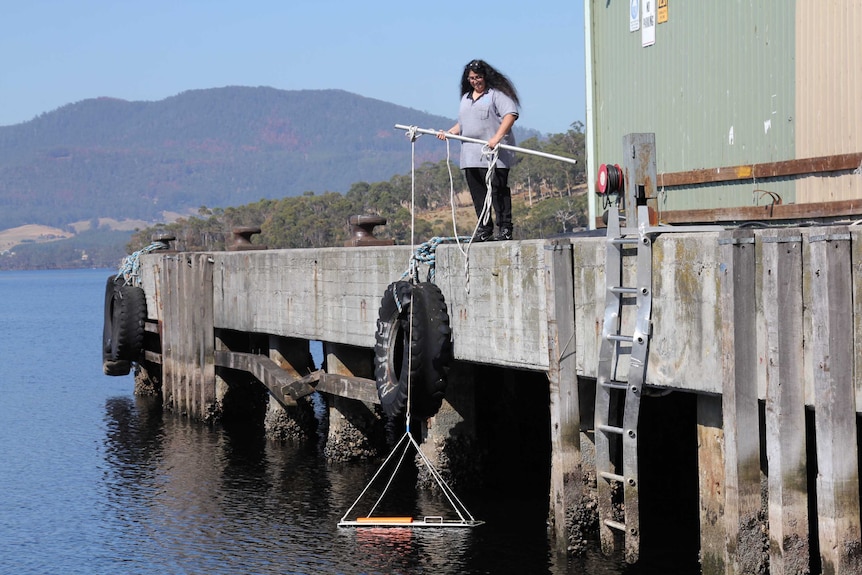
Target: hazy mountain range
220 147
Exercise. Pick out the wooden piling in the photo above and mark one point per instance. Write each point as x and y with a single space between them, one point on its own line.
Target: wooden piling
745 532
355 429
566 484
710 466
829 273
450 441
781 275
296 421
188 339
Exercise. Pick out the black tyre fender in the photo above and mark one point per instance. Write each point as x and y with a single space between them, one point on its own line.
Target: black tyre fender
421 358
107 319
123 328
119 367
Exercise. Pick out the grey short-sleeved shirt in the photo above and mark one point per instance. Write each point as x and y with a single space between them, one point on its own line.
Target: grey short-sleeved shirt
480 119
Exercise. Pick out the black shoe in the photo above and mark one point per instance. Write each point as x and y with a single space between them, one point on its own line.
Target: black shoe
504 235
483 236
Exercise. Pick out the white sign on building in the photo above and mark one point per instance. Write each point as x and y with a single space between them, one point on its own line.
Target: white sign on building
648 23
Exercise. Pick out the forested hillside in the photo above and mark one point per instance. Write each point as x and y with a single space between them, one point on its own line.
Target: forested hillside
217 147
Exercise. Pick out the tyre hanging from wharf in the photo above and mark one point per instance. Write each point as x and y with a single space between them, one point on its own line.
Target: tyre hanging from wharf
413 347
123 328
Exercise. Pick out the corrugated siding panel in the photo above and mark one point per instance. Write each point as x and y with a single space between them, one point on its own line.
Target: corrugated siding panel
829 92
717 89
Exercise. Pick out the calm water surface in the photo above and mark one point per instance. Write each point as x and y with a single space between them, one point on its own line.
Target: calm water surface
96 481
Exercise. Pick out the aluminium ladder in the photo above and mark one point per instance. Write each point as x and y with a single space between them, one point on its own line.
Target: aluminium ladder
618 398
619 391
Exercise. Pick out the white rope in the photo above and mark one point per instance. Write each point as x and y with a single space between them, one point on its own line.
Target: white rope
391 477
414 273
407 441
370 483
484 214
456 503
491 155
464 251
452 192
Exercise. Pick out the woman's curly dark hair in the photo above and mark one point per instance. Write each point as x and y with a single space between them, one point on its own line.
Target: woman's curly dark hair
493 79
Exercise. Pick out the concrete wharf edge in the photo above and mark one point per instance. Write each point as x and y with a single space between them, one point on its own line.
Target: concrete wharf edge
333 295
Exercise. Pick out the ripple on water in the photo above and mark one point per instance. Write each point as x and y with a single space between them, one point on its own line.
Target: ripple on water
95 481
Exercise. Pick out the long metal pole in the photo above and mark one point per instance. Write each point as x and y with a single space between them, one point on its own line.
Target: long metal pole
591 121
475 141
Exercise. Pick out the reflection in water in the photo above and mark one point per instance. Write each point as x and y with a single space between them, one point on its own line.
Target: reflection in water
190 499
94 481
401 550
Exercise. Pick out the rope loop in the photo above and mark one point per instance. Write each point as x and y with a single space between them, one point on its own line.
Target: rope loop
490 153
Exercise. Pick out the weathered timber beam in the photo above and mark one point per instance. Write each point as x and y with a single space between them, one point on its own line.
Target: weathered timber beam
837 488
152 356
188 369
781 275
566 484
767 212
812 166
280 383
711 482
359 388
744 532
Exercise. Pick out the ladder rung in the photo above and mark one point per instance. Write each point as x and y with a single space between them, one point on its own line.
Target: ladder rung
624 240
611 429
625 338
615 525
615 384
620 289
612 476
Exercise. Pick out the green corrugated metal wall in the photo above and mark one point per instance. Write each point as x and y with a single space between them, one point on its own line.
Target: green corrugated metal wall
717 88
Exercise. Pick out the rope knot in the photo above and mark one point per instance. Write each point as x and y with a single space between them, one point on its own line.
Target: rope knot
413 133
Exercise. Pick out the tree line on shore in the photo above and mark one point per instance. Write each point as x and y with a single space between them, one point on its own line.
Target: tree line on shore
548 194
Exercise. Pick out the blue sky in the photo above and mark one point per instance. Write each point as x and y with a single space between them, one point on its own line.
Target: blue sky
56 52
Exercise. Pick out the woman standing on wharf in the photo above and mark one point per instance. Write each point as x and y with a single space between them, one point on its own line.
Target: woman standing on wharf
488 110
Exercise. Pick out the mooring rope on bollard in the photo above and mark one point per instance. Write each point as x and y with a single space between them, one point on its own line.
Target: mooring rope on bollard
426 253
130 268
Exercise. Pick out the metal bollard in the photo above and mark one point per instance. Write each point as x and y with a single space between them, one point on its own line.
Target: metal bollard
362 232
241 240
167 240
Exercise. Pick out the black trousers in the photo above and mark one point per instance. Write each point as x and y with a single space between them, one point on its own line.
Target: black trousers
501 196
